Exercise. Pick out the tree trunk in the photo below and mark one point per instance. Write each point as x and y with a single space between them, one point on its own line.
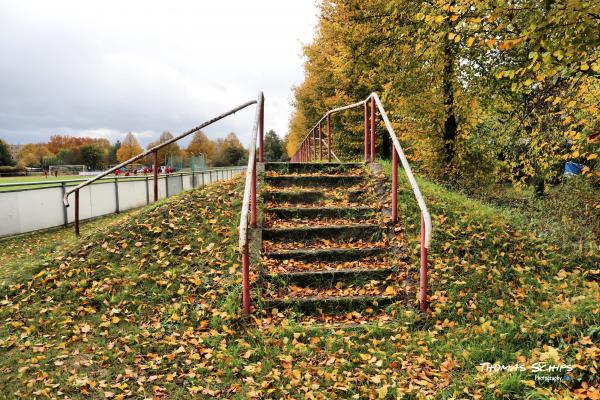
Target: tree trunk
450 123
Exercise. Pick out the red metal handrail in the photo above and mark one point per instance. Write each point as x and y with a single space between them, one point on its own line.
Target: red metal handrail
249 200
154 152
370 104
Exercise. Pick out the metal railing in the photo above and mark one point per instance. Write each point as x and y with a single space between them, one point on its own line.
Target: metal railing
307 152
249 199
154 152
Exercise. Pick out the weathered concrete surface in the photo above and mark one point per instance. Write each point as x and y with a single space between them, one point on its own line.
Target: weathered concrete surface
334 232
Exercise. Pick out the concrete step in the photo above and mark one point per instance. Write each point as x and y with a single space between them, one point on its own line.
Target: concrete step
307 196
329 278
320 304
336 232
283 167
331 254
329 181
302 197
321 212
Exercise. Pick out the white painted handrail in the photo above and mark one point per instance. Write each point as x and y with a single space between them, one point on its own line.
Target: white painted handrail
249 173
407 170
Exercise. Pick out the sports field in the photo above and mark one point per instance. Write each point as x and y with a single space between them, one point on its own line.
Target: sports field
37 178
42 181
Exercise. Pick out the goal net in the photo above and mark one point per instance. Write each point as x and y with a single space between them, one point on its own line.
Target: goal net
66 169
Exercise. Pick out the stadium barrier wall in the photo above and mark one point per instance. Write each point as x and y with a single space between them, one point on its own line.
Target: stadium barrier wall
26 207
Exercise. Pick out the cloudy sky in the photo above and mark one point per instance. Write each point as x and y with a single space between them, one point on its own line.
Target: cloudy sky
102 68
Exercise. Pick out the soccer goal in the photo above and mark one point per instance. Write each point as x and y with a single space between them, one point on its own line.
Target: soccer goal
67 169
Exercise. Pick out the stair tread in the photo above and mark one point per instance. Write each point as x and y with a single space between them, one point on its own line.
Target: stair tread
336 176
333 298
328 249
333 271
321 227
327 208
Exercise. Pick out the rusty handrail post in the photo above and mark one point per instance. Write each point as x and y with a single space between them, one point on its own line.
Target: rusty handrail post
423 270
155 174
328 137
246 280
305 153
77 213
315 132
320 143
366 122
261 131
372 129
249 204
394 185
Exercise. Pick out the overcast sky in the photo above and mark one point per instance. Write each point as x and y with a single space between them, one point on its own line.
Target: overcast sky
102 68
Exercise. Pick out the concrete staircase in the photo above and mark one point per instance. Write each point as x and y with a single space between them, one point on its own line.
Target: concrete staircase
325 243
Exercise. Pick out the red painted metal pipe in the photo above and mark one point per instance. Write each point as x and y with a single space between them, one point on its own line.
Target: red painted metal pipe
155 172
77 213
372 129
246 280
320 143
423 288
253 198
261 132
304 151
315 142
394 185
366 132
328 137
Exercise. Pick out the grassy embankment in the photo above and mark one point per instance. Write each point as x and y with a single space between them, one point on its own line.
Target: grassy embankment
150 307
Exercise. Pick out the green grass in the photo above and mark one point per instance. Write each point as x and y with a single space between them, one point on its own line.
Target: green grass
149 307
38 178
51 181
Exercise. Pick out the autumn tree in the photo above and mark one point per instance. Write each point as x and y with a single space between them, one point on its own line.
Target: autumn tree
33 155
476 90
130 147
58 142
230 151
167 152
201 144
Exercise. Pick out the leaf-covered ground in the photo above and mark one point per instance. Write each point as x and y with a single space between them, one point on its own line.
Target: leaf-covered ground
149 308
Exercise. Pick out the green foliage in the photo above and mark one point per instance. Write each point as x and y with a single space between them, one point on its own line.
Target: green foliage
491 89
273 146
92 156
6 158
230 151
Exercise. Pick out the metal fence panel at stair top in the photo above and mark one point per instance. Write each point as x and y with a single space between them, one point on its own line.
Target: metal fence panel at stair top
25 208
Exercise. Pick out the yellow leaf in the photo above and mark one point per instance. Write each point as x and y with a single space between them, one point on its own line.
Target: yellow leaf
382 392
390 291
500 302
470 41
592 156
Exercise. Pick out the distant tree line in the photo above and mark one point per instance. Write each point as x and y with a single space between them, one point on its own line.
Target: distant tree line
98 154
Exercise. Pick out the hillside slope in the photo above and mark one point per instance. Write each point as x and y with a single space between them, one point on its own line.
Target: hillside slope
149 308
